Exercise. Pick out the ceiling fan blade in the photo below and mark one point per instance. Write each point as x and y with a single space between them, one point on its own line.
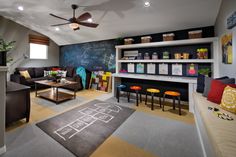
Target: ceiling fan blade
61 24
76 29
87 24
84 16
58 17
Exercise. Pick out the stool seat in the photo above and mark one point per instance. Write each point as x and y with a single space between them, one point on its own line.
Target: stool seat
175 95
152 90
135 88
121 86
172 93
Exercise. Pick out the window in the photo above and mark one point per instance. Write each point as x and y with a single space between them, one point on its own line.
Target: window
38 51
38 47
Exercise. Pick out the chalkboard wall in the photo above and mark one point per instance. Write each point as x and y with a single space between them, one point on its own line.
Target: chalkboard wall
98 55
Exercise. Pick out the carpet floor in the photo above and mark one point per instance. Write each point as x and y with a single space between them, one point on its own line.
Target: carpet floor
145 133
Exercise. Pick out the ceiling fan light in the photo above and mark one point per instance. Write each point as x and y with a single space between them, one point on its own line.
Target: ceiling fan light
90 20
74 25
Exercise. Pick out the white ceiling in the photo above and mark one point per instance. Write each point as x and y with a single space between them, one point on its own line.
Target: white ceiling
116 18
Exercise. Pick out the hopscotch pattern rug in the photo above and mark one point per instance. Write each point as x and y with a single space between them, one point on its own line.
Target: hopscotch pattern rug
83 129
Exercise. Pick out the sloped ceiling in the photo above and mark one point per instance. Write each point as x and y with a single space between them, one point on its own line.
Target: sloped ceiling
116 18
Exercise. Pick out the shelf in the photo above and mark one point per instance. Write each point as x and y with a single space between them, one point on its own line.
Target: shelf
169 43
157 77
168 61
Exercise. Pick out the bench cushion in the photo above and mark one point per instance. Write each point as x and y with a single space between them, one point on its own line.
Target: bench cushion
221 133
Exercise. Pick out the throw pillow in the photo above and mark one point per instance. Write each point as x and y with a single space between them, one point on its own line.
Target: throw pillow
25 74
200 83
56 69
228 101
216 91
46 73
208 80
62 73
30 71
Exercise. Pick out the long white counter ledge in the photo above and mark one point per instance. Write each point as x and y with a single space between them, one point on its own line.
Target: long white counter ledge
192 82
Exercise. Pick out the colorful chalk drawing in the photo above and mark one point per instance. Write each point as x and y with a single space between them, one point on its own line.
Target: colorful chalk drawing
86 117
98 55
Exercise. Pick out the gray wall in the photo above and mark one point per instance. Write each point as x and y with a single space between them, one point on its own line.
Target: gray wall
2 107
10 30
227 8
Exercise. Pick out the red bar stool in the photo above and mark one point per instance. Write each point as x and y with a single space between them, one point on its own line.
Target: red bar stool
173 94
136 89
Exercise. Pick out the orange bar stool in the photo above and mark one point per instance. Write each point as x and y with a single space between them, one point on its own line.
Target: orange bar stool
175 95
152 91
136 89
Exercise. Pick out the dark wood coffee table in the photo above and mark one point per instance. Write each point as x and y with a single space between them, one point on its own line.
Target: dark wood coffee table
54 94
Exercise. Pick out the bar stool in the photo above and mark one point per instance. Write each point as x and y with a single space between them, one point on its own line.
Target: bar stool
118 89
152 91
136 89
174 94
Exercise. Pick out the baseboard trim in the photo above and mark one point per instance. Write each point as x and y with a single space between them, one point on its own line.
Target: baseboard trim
2 150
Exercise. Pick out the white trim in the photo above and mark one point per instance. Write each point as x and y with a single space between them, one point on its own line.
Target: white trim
2 150
168 61
169 43
156 77
3 68
199 134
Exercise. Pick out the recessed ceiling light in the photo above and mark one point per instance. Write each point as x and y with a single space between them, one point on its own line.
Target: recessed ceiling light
147 4
90 20
20 7
57 28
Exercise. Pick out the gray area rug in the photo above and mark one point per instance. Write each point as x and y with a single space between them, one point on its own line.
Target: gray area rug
83 129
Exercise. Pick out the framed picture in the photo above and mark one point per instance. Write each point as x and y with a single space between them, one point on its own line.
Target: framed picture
231 21
177 69
151 68
140 68
130 68
163 69
226 45
192 70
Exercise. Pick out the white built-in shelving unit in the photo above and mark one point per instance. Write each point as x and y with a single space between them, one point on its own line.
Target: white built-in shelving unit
191 81
214 52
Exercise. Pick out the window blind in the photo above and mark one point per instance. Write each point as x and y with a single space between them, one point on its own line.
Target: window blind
38 39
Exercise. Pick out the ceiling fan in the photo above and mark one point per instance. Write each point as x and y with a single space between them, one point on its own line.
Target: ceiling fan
74 22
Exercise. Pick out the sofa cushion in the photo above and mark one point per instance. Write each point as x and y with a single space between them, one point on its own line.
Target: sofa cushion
30 71
228 101
207 83
38 72
70 71
216 91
